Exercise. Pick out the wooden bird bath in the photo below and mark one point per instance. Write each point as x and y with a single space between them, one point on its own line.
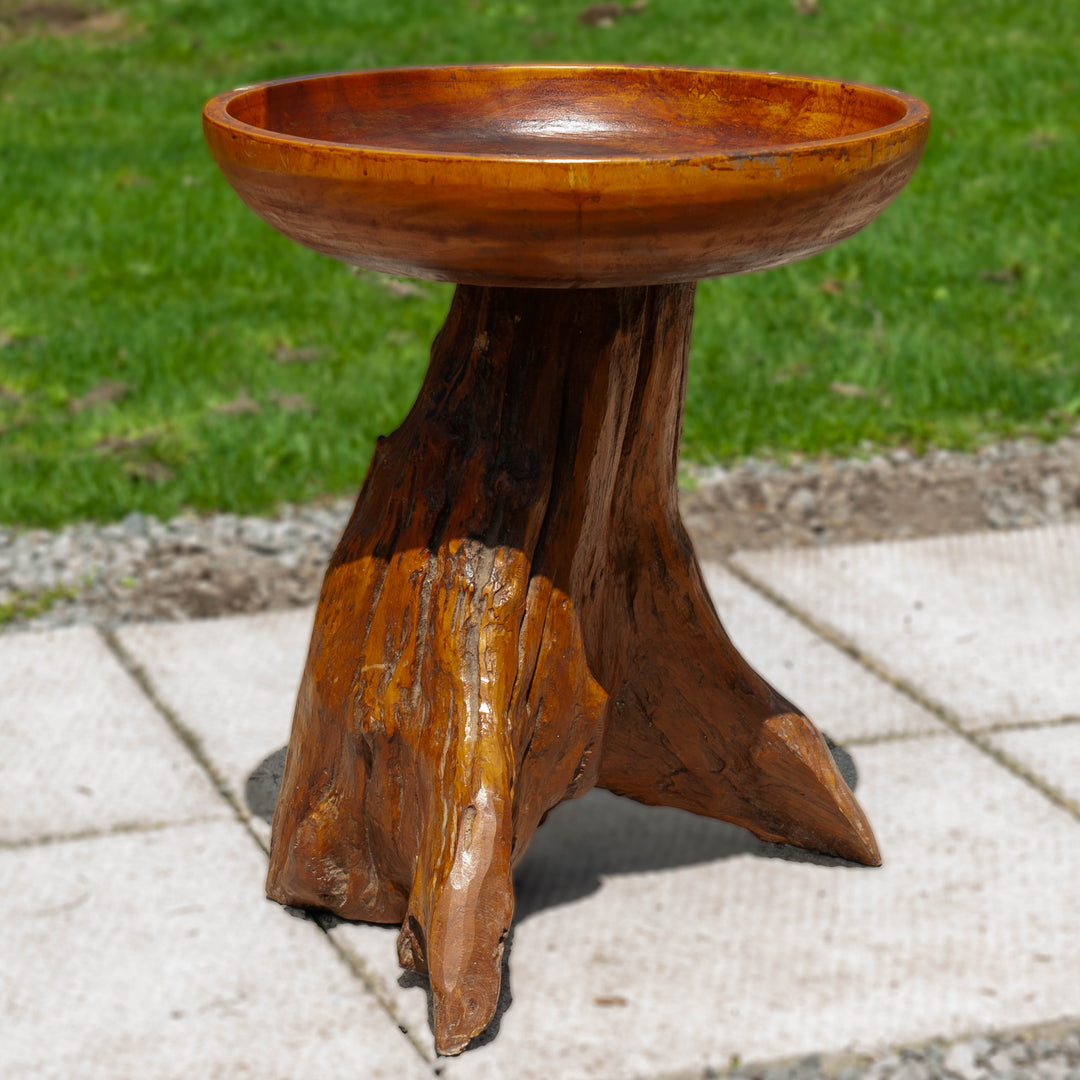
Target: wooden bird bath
515 613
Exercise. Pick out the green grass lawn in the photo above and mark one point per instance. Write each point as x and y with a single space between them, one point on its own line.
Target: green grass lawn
161 348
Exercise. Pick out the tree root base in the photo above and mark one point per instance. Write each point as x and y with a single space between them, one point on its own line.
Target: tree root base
513 616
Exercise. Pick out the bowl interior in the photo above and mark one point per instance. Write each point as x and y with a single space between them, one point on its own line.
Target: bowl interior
567 113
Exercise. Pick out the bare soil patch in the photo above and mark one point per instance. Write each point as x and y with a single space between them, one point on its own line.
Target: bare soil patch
60 18
885 497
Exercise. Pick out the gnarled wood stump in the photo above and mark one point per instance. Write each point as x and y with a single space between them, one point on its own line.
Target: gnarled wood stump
515 615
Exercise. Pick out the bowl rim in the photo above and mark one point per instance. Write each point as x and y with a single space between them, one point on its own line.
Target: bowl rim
916 116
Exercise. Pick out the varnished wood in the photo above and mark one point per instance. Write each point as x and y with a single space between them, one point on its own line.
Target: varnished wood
566 175
514 615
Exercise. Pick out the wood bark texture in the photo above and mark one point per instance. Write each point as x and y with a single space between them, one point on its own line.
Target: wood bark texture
514 615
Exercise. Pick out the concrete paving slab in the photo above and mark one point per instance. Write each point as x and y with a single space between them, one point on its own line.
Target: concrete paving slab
374 951
649 942
231 682
986 625
144 955
1050 753
841 696
82 748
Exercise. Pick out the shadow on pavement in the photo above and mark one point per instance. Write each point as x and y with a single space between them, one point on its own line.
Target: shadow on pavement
588 839
581 843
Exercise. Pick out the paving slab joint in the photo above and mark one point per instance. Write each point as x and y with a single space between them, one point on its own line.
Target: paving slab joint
190 740
948 718
1026 725
43 839
374 986
195 747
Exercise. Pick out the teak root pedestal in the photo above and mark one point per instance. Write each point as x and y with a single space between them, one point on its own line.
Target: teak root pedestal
514 613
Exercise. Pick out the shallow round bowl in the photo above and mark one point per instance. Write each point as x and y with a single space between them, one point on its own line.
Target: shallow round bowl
566 175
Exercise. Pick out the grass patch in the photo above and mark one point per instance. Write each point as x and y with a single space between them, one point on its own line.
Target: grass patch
161 348
21 605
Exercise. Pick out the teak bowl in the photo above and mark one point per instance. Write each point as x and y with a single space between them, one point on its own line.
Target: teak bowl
566 175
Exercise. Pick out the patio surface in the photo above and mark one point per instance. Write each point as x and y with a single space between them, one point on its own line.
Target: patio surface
138 772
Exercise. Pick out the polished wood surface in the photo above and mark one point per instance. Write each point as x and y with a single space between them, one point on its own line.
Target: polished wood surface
566 175
515 615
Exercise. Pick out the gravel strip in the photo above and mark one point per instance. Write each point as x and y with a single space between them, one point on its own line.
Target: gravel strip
143 569
1046 1052
1002 486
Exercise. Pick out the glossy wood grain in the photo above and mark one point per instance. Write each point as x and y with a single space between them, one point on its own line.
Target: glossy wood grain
566 175
515 615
